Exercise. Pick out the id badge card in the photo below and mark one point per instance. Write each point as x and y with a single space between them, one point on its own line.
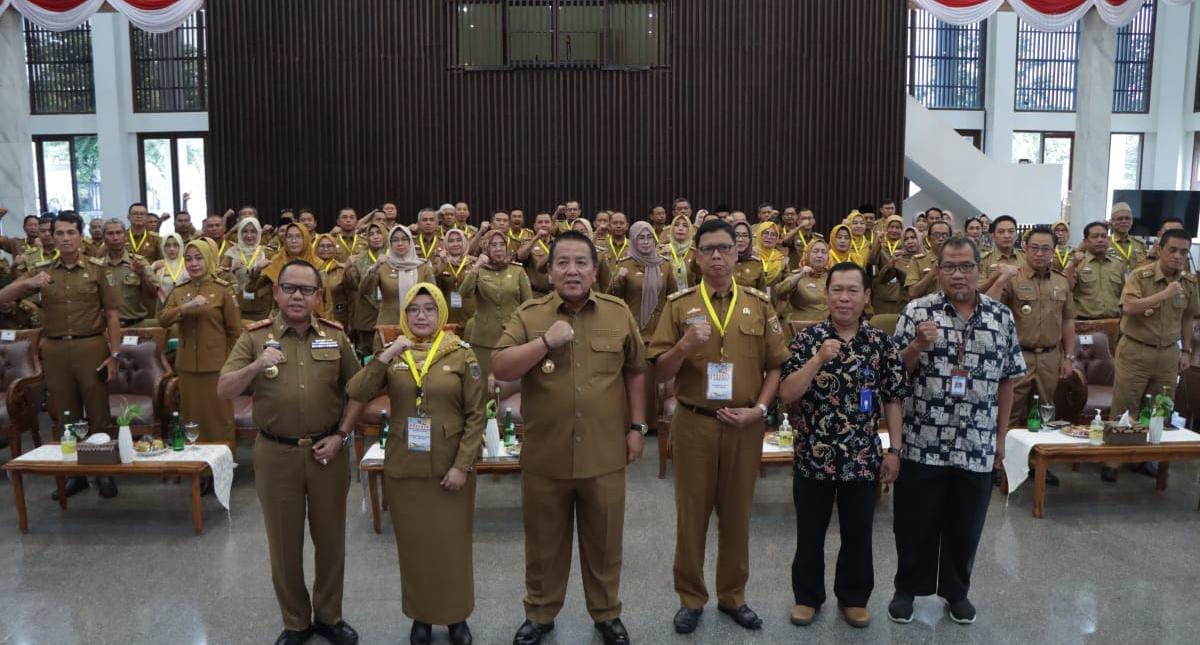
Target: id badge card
247 295
378 294
455 300
419 433
720 382
866 400
958 384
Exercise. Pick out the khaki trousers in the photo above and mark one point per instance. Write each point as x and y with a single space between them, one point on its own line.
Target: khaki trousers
1141 370
72 381
1042 373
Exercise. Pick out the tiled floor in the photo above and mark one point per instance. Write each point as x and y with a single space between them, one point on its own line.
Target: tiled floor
1112 563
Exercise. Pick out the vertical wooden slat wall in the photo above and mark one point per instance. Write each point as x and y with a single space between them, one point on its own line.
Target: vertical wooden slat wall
324 103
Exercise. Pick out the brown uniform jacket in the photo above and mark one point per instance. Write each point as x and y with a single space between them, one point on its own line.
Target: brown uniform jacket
888 284
450 276
574 403
384 285
1098 285
365 311
307 396
207 336
537 268
453 393
629 290
133 286
497 294
749 273
1132 252
1039 306
148 245
920 265
73 303
992 261
1158 327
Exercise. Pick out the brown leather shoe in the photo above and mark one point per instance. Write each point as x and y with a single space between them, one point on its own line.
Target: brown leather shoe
856 616
803 615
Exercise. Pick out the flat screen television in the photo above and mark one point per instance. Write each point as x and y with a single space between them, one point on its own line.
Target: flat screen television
1150 207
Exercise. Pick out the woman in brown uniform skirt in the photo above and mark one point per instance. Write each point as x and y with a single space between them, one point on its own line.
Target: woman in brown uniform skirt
338 293
450 265
209 326
498 288
803 291
246 260
393 274
432 379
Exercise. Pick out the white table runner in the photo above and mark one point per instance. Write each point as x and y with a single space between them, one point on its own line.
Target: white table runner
1018 443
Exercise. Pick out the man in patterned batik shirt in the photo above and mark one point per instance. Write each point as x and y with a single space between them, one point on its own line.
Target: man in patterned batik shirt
844 374
961 350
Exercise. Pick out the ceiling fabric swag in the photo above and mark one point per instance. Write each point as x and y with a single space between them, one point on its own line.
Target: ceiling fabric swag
1046 15
149 15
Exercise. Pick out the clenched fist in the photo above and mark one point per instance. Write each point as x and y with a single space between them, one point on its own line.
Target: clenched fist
927 333
559 334
270 357
830 349
696 335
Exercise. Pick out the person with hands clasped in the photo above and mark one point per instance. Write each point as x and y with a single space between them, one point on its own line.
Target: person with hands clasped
436 392
723 345
843 376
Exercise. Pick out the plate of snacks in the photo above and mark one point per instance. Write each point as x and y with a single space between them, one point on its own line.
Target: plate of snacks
772 438
1079 432
147 447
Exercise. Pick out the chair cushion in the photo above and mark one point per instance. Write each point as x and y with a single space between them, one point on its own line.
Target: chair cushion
243 412
4 419
140 369
1099 396
145 417
16 361
1096 361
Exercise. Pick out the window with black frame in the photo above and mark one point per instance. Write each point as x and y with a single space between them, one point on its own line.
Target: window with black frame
1134 54
58 65
170 70
1047 69
945 62
506 34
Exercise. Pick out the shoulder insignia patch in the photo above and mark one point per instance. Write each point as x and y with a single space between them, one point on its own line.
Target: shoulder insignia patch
679 294
1146 273
755 292
97 261
474 369
774 322
260 324
332 323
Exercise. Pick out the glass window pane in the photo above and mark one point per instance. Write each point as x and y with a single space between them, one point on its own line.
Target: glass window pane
191 175
87 175
1124 162
160 194
56 170
945 62
480 34
1058 151
37 185
1026 147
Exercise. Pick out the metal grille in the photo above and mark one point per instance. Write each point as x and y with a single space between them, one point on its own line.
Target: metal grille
1134 55
170 70
945 62
1047 69
59 67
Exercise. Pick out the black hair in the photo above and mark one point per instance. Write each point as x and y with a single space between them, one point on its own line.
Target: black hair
306 210
764 205
959 241
302 263
574 236
71 217
867 208
130 209
722 208
713 226
1040 229
921 215
847 266
1087 230
1175 234
1169 220
30 217
675 202
1002 218
887 200
934 208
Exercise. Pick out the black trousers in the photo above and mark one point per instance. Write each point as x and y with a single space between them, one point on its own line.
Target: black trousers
855 577
939 514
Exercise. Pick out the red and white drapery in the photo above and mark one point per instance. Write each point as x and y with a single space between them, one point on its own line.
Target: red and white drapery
1047 15
148 15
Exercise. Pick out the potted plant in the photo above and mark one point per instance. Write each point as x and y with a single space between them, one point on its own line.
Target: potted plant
125 437
1163 406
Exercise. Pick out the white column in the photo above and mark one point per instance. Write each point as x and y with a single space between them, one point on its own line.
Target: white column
1166 166
118 146
1000 87
18 192
1093 121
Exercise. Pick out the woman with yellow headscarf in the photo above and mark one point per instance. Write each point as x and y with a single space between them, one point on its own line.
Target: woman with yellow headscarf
168 270
841 248
338 292
436 390
861 239
774 260
209 325
245 260
677 248
802 293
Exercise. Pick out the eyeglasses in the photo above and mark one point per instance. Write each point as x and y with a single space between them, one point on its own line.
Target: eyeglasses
430 311
743 236
709 249
965 268
1038 248
939 234
305 290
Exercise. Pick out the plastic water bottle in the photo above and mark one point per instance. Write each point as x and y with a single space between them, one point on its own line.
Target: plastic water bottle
1096 430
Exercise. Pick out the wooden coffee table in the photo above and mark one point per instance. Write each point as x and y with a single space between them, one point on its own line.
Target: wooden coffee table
61 470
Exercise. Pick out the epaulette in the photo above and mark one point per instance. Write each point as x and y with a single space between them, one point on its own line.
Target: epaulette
680 294
1190 277
1148 272
222 281
332 323
755 292
536 301
753 257
464 344
266 322
609 298
98 261
919 256
515 263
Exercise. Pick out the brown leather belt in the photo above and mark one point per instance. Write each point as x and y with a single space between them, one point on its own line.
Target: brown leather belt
1141 342
77 337
297 441
1039 350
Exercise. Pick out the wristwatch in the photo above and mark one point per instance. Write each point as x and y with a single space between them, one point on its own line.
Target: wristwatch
344 435
640 427
764 409
115 355
892 450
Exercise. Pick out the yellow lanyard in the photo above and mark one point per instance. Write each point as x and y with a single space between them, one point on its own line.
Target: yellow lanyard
860 246
350 247
833 254
221 251
624 245
1126 252
514 238
325 269
253 257
419 375
460 266
718 323
655 233
674 254
174 274
928 244
57 252
1062 257
803 242
137 246
426 251
544 247
892 246
371 254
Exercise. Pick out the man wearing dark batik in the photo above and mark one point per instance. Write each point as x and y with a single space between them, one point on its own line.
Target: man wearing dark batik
843 373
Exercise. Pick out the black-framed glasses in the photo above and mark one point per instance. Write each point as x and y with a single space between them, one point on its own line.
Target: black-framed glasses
430 312
305 290
965 268
709 249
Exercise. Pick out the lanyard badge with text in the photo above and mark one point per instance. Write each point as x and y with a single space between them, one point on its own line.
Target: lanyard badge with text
720 374
959 376
420 427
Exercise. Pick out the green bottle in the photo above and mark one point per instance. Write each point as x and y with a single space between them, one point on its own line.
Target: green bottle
510 430
1034 423
383 429
176 433
1147 411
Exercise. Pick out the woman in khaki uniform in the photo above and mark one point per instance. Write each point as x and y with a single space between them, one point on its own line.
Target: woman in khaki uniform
429 482
169 271
749 271
246 260
297 245
209 326
338 292
890 259
498 288
774 259
393 275
678 249
804 289
450 265
365 312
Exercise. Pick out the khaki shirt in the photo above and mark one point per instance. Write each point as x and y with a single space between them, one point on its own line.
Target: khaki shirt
1132 252
1039 306
796 248
307 396
684 275
207 336
497 295
754 342
453 398
427 249
365 311
74 302
450 276
1098 285
992 261
346 246
1159 326
919 265
629 289
749 273
338 292
131 285
888 285
147 244
384 285
537 268
574 403
805 296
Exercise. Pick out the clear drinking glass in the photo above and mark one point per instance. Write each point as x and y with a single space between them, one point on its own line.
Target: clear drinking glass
191 432
1046 410
80 429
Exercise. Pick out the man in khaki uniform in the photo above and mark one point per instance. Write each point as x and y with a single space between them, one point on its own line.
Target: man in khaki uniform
581 360
534 254
348 241
129 271
299 365
16 246
142 240
1159 307
1044 313
80 299
1129 249
922 278
1004 252
1097 276
723 345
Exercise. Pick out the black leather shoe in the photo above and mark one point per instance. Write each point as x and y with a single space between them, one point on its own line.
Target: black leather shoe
1147 468
1108 474
460 634
743 616
613 632
74 485
686 620
531 633
421 633
289 637
340 634
108 487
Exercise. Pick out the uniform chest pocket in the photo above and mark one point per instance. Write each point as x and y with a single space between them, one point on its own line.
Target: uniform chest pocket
751 327
1026 292
326 355
1087 276
607 354
1117 279
131 280
1058 294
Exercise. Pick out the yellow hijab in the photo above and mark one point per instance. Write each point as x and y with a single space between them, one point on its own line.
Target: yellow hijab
325 265
772 259
207 249
850 255
284 256
449 341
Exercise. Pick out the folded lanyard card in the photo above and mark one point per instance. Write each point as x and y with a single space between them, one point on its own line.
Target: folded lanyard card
455 300
720 381
419 433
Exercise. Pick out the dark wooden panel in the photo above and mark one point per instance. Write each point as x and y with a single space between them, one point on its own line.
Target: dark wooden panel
322 103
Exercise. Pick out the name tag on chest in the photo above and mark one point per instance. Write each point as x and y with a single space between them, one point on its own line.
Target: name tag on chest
247 295
419 434
324 343
455 300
